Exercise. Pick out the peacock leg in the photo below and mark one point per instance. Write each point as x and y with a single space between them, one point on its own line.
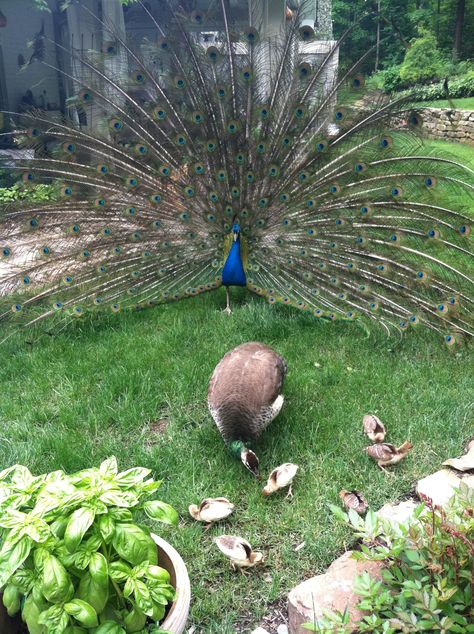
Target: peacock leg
290 492
227 309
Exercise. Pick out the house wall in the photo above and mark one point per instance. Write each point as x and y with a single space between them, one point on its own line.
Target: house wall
23 21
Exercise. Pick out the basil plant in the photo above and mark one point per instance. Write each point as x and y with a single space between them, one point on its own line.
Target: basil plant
72 558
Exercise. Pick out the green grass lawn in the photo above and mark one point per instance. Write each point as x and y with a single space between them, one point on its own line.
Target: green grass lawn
466 103
105 385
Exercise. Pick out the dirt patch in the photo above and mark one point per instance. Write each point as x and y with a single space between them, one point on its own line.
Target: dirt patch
276 615
156 429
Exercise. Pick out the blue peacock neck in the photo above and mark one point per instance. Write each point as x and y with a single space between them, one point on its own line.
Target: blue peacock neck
233 273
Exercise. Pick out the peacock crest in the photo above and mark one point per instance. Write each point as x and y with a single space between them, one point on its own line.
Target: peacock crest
340 209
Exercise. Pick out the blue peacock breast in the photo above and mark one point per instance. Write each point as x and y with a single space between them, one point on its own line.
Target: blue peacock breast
233 273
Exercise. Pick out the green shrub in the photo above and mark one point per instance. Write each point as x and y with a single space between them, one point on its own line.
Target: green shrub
459 87
427 579
423 61
39 193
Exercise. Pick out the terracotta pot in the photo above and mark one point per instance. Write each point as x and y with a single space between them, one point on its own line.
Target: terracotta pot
177 615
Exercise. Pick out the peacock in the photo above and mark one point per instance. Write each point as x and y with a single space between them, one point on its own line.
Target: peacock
244 396
208 155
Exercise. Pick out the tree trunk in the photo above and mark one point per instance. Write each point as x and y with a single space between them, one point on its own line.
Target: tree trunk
461 6
377 45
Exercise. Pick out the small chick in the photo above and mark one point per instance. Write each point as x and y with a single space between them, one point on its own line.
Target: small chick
211 510
374 428
354 500
280 478
239 551
386 454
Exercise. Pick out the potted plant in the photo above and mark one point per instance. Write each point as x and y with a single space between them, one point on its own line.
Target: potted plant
74 560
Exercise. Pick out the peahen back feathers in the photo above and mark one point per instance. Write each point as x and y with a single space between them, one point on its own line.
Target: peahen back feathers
342 211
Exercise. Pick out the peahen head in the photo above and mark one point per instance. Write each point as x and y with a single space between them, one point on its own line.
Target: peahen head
246 455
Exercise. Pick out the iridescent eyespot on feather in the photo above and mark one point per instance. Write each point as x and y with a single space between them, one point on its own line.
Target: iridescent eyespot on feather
453 301
100 202
433 233
97 300
235 192
358 81
244 213
339 114
396 191
159 113
365 211
233 127
261 148
155 199
263 202
180 140
359 168
156 224
386 142
342 296
299 112
28 177
109 48
117 250
303 176
251 35
304 70
102 169
197 117
383 268
317 312
361 241
307 276
286 141
106 232
115 308
352 266
68 279
395 237
229 210
311 231
213 53
415 120
199 168
131 181
184 216
164 170
246 74
74 229
116 125
334 280
135 236
85 254
197 17
260 223
422 276
442 308
403 324
430 182
179 82
302 253
33 223
16 308
239 159
45 251
465 230
273 171
321 145
284 197
450 340
271 299
374 306
250 177
335 189
350 314
69 148
86 96
163 44
264 112
221 176
322 266
77 310
101 269
33 133
340 222
26 280
57 305
189 191
211 146
306 32
414 320
221 92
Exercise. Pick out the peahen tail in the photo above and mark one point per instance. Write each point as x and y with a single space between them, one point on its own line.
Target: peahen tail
339 208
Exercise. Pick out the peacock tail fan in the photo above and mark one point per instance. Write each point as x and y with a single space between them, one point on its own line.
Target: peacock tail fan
342 210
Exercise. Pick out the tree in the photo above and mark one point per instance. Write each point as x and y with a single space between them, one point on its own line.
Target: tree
458 28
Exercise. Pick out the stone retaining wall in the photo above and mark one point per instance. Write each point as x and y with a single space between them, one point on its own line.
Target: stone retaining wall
451 125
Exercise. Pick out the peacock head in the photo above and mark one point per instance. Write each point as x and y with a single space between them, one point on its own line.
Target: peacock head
246 455
236 230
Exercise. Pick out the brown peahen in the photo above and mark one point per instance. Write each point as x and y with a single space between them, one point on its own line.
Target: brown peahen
236 161
244 397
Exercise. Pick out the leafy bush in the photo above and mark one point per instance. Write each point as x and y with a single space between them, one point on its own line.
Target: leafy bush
72 560
423 61
39 193
429 569
458 87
